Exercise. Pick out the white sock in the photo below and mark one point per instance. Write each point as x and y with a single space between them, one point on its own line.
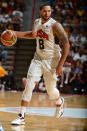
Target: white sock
59 101
23 110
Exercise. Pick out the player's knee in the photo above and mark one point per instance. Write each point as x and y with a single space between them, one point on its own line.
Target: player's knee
30 84
53 93
27 94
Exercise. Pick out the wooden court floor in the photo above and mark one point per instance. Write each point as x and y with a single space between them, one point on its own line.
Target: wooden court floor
41 113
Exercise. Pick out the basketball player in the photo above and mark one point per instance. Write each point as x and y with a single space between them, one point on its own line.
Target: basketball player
47 60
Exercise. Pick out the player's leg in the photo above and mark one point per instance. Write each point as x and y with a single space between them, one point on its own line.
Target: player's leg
34 74
61 85
67 76
24 81
26 98
53 92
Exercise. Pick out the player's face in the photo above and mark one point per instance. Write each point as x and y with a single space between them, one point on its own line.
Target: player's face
45 13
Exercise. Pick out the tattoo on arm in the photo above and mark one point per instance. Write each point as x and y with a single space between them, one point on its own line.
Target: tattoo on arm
59 31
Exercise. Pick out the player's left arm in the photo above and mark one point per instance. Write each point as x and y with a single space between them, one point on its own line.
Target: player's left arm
58 30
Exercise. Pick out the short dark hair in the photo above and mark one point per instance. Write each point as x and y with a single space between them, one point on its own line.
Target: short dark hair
41 7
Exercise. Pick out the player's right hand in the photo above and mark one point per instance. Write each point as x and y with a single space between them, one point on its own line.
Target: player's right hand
34 34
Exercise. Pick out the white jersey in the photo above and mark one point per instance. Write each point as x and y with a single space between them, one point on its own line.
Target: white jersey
46 47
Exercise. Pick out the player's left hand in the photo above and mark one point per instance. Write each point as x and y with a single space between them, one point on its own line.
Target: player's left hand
59 70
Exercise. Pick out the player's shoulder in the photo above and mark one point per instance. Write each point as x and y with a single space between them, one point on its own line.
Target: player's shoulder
57 26
56 23
53 20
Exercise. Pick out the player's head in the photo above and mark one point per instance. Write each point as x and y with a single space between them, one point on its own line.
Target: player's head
45 11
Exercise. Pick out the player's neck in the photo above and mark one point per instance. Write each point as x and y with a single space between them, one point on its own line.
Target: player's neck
44 21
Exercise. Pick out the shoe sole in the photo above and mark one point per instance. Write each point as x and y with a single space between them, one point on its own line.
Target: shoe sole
18 124
23 123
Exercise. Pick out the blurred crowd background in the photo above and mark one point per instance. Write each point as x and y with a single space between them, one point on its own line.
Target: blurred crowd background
11 17
11 14
72 14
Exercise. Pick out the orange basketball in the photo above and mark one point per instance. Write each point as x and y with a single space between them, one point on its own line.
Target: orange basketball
8 38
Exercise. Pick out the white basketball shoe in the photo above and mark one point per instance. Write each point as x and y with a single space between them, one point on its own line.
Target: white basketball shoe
60 109
18 128
1 128
19 121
